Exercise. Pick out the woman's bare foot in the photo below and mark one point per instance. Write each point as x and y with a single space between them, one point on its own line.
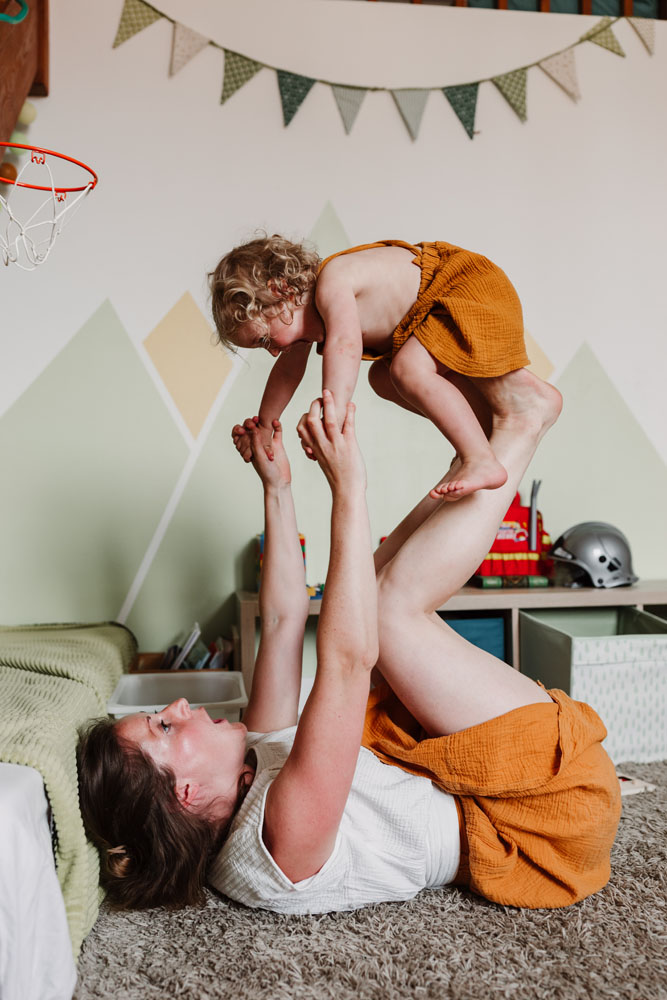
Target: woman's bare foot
521 402
464 477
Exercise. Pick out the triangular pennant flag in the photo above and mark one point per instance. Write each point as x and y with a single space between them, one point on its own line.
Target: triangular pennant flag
349 101
562 70
513 88
411 104
185 44
135 17
293 90
645 28
238 70
463 100
602 35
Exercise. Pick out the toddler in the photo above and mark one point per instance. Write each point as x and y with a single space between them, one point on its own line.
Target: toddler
442 327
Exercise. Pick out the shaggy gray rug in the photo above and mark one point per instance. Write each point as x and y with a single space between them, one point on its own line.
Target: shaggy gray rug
443 943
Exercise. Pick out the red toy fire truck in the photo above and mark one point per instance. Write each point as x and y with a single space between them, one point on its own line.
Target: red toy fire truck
520 553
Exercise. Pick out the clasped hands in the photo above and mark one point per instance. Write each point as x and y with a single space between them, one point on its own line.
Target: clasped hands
335 450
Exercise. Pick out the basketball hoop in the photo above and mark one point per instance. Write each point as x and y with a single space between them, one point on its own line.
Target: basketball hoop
28 243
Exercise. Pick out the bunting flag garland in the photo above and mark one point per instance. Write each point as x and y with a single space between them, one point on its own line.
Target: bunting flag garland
513 88
238 70
645 28
135 17
562 70
410 101
348 100
604 36
293 91
185 45
411 104
463 100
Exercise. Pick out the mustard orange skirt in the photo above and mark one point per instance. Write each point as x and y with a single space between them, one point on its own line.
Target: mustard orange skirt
538 796
467 313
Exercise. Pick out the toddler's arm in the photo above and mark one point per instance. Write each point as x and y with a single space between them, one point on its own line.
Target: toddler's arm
343 345
281 384
285 376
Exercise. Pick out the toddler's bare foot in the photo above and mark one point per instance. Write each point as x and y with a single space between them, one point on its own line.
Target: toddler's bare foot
464 477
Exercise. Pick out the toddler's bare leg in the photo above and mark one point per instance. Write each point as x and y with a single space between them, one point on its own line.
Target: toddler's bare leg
445 682
380 382
419 378
379 378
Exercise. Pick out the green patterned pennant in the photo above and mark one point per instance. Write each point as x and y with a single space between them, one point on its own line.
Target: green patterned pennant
513 88
562 70
645 28
238 70
293 90
411 104
136 16
463 100
602 35
349 101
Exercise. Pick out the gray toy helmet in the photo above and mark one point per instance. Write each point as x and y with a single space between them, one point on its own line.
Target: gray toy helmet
596 553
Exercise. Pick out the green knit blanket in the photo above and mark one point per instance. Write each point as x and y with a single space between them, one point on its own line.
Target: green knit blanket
53 678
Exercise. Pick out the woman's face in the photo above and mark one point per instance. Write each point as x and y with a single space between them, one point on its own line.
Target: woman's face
206 757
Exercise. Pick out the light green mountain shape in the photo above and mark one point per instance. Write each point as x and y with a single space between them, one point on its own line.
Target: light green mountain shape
89 456
597 464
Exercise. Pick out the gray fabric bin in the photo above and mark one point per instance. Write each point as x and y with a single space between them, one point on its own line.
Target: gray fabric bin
613 658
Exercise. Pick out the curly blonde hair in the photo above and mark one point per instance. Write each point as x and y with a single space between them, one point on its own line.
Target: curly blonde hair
244 284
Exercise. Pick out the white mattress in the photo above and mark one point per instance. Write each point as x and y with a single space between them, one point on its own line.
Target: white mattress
36 960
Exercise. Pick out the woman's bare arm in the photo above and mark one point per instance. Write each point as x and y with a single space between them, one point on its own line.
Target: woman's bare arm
283 601
306 801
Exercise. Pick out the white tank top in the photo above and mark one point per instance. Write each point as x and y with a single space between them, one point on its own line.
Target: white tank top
398 834
443 851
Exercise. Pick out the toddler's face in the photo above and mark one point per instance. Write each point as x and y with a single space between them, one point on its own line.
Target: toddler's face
277 335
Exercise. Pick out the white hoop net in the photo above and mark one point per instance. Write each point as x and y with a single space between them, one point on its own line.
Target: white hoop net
30 220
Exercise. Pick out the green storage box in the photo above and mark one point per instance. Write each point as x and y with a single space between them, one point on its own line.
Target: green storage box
615 659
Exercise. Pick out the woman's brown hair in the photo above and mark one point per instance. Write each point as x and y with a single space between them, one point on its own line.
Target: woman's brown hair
153 852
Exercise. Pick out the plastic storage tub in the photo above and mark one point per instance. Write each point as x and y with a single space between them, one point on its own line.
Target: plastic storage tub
615 659
221 693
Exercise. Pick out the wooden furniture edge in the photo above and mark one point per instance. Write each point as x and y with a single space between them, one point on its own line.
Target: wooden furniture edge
640 594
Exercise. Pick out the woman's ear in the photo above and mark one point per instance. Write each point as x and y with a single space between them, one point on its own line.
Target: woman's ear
187 793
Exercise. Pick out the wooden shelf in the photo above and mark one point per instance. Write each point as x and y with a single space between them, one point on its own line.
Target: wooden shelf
149 663
645 593
24 61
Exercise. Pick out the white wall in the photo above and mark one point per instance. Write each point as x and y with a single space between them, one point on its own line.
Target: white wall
571 203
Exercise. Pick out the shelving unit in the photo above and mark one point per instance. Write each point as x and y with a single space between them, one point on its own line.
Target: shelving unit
24 61
645 594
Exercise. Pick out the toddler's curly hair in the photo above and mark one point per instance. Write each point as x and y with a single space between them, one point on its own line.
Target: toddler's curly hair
244 282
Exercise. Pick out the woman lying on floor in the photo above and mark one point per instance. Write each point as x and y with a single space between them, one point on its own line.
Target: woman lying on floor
494 782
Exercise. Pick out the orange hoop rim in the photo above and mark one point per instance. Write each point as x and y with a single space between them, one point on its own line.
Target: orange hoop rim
61 156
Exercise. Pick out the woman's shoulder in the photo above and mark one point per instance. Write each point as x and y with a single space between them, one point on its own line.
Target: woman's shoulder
276 736
271 749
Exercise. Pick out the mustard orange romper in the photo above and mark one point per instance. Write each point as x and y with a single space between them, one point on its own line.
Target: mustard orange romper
467 313
537 795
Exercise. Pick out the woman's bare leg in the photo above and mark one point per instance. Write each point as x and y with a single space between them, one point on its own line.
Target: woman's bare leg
445 682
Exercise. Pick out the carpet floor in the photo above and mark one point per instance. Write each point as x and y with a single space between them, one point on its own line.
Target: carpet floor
444 943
